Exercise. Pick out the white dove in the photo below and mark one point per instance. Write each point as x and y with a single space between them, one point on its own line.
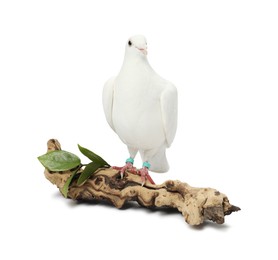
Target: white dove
141 107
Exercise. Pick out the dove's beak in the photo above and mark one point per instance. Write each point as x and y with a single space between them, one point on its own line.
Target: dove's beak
144 51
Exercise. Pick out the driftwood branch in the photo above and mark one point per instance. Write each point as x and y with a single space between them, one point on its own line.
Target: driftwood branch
195 204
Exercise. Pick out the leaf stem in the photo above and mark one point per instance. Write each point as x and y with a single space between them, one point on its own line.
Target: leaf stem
85 164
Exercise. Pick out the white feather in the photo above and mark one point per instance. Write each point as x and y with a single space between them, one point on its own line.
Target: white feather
107 100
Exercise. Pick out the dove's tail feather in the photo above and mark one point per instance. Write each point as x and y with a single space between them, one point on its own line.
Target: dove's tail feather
159 161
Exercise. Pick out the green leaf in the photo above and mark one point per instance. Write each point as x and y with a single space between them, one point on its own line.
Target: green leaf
59 160
92 156
65 189
88 171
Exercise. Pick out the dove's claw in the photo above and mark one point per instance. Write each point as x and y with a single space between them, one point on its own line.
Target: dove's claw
127 167
144 173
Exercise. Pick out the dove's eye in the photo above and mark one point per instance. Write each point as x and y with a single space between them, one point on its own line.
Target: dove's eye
129 43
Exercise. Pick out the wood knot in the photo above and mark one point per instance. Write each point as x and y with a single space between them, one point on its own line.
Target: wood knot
98 180
169 184
53 144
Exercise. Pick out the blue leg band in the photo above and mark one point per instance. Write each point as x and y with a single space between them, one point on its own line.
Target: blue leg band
129 160
147 165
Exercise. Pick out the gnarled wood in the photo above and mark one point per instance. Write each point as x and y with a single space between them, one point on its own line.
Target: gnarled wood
195 204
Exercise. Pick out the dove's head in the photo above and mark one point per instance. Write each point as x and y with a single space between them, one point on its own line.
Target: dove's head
137 45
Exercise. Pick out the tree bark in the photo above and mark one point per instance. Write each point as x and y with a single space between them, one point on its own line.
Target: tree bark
195 204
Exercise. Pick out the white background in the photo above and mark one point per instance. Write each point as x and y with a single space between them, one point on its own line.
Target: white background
54 59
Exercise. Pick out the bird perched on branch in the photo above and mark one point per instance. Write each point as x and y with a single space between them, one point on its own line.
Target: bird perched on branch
141 107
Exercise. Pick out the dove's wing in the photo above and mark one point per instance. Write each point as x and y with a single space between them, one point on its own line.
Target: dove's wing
107 100
169 111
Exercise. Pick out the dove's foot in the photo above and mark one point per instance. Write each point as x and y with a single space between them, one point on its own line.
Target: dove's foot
144 173
128 167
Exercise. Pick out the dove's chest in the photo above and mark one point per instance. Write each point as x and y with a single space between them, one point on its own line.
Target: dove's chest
137 89
137 109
